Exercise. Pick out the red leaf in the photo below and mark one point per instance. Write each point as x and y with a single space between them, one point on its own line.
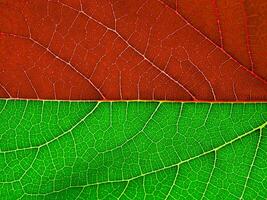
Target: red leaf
237 27
134 49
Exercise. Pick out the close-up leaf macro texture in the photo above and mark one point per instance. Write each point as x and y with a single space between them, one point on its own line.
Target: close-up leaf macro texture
133 99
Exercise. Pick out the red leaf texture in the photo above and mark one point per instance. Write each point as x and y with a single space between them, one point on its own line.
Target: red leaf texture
134 49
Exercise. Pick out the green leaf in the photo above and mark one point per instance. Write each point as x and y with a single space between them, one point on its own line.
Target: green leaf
132 150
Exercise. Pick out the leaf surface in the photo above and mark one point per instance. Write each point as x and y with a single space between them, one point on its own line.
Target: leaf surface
236 27
132 150
134 49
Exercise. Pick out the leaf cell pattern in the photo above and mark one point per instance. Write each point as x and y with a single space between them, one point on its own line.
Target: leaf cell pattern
132 150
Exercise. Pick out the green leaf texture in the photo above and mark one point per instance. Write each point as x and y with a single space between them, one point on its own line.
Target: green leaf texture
132 150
